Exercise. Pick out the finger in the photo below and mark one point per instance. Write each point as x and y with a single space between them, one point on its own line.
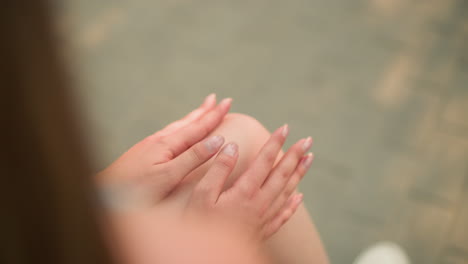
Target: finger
256 174
284 215
194 157
185 137
299 173
283 171
208 104
291 185
211 185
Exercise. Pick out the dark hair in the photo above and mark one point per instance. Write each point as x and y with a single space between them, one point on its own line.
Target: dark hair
46 196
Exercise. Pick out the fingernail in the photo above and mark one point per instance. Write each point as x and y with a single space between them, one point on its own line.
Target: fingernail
285 130
308 160
230 149
210 98
307 144
214 143
226 102
299 198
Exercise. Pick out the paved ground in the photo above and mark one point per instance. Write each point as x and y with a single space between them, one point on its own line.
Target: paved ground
382 85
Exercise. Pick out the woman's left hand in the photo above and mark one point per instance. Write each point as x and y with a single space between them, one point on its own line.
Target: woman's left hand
152 168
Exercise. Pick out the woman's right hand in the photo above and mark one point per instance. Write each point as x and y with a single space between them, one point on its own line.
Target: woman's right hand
263 198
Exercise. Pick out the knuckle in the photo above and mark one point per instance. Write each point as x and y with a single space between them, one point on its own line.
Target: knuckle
225 163
183 144
269 157
166 148
284 173
197 154
167 155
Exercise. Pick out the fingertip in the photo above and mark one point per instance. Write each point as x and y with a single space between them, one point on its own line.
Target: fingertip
231 149
307 144
283 131
211 100
213 143
226 103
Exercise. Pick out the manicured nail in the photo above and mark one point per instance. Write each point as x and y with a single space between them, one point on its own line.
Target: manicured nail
307 144
230 149
308 160
285 130
214 143
299 197
210 99
226 101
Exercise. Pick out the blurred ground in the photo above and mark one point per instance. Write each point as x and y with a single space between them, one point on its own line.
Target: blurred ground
381 85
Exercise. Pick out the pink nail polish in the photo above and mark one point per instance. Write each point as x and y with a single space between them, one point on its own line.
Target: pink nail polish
210 99
307 144
214 143
285 130
308 160
299 198
225 102
230 149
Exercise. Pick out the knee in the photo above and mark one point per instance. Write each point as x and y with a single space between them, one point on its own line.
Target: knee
246 131
239 118
249 134
245 124
243 118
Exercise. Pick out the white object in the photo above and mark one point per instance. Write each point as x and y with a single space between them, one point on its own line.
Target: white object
383 253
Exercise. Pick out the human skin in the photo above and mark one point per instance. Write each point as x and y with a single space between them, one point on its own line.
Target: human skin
258 204
297 241
148 174
171 241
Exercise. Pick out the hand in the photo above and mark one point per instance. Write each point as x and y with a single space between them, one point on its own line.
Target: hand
262 199
151 169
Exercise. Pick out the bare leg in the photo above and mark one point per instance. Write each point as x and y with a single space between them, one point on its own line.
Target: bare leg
298 241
